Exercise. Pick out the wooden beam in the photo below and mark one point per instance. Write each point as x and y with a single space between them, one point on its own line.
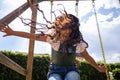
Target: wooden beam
11 64
14 14
31 42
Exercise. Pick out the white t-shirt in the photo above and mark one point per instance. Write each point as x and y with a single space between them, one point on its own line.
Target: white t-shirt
80 47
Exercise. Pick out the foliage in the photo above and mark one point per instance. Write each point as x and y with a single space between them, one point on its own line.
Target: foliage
6 73
40 68
113 66
116 73
88 72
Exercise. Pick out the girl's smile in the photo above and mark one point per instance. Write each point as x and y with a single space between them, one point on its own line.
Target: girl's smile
65 34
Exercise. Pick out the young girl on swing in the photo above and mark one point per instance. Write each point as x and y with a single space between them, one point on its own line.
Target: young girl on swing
66 41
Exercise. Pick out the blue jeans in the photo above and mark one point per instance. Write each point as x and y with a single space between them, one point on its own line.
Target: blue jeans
63 73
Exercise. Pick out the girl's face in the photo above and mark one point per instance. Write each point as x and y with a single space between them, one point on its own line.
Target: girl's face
65 34
62 24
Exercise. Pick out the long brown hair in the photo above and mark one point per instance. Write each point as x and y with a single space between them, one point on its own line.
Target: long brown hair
72 22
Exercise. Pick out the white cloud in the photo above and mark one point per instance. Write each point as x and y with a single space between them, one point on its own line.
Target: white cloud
111 4
107 4
84 8
90 26
114 57
102 18
14 3
109 58
18 26
97 57
42 47
116 20
110 24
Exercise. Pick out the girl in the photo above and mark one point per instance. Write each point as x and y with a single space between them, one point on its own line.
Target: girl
66 41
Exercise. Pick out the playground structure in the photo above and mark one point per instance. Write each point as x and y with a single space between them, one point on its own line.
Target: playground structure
11 16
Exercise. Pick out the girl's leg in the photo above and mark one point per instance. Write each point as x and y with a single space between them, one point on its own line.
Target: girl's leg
72 75
54 77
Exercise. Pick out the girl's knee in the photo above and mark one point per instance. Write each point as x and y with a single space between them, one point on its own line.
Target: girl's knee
54 77
72 75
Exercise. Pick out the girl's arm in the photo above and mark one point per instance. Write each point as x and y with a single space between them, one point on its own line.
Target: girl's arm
92 62
10 32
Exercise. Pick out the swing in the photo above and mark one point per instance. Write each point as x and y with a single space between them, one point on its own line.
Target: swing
103 54
97 24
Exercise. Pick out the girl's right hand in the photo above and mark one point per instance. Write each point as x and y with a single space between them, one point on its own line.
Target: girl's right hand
6 29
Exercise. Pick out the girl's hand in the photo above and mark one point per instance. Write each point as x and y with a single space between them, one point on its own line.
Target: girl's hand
102 68
6 29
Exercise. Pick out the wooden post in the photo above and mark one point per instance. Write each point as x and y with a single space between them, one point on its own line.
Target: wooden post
31 42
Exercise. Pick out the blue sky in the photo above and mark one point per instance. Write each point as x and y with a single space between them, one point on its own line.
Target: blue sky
108 12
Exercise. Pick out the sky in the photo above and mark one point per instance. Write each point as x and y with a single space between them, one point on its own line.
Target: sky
108 16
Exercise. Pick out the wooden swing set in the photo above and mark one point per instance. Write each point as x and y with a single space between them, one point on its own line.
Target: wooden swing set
14 14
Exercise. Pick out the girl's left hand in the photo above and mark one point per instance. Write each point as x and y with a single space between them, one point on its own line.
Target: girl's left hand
102 68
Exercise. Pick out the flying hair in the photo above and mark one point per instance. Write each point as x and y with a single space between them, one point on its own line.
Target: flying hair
65 20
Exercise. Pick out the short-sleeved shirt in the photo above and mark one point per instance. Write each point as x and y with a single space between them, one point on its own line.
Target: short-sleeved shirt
59 58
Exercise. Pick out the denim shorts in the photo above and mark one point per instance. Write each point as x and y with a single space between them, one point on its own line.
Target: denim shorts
61 70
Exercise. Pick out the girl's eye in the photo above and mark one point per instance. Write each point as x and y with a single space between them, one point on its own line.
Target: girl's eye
56 24
60 18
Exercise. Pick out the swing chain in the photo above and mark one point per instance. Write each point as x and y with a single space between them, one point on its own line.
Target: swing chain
107 72
76 7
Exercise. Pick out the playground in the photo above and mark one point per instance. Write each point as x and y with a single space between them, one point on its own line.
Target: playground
29 68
